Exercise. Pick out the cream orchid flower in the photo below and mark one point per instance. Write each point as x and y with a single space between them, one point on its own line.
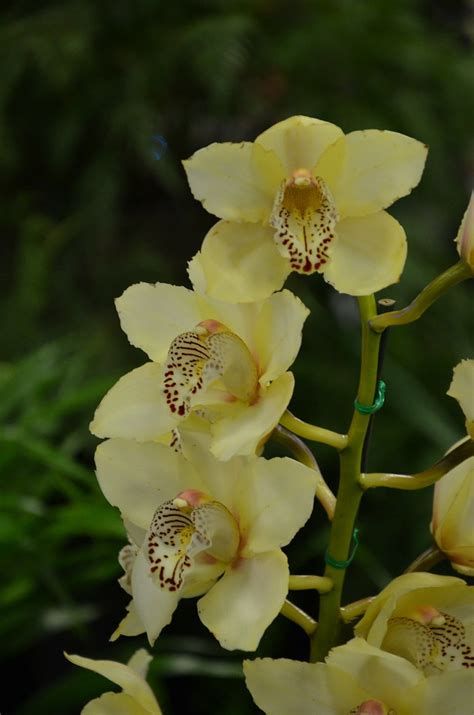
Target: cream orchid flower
200 527
303 197
357 679
465 236
425 618
452 523
137 697
214 364
462 389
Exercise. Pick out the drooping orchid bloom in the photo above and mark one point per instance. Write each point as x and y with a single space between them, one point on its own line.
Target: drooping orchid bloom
201 527
214 366
356 679
452 523
425 618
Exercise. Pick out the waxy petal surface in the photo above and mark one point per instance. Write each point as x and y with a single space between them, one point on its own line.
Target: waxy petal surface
134 407
281 687
238 263
369 254
373 625
299 141
236 182
137 478
130 625
278 334
451 692
453 506
244 432
374 169
114 704
382 675
132 682
243 603
275 499
154 605
153 315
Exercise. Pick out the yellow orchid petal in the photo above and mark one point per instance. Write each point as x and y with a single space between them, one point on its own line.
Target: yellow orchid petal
243 603
373 169
130 625
114 704
243 432
299 141
272 497
455 599
281 687
452 524
202 577
462 389
152 315
239 318
381 675
465 236
450 692
136 534
140 661
425 619
238 263
132 683
446 490
220 479
373 625
236 182
270 328
134 407
278 333
138 477
275 499
368 254
154 605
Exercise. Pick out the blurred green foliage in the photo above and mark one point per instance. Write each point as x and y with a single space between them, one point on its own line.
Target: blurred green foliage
87 209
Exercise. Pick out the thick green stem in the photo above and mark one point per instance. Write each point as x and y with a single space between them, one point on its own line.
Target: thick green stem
422 479
453 275
350 492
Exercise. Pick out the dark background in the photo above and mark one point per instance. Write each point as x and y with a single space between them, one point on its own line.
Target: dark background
88 206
